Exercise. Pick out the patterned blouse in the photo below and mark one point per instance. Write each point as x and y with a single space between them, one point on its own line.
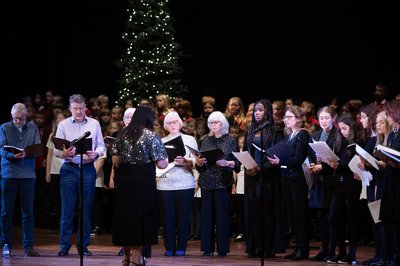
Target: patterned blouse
213 177
149 148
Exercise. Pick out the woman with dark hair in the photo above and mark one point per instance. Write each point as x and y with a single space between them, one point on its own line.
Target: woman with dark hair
345 201
136 153
263 201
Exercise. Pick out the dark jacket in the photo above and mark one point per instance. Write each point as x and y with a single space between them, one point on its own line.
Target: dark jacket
322 190
292 166
270 135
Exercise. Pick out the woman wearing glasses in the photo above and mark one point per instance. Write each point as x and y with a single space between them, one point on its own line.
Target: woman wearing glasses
215 181
176 190
294 186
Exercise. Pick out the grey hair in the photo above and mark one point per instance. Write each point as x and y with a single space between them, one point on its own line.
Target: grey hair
172 116
129 111
218 116
76 98
19 107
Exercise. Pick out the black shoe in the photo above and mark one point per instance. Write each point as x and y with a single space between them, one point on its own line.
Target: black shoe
207 253
329 257
121 252
30 252
319 257
291 255
63 252
86 252
221 254
347 260
335 259
96 231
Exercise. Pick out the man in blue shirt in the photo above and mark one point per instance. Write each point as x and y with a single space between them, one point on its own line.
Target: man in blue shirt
72 128
18 175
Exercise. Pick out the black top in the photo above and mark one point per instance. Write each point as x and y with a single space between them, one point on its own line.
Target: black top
292 166
211 176
269 136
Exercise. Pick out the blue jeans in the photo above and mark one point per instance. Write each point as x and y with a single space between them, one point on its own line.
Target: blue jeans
9 189
69 187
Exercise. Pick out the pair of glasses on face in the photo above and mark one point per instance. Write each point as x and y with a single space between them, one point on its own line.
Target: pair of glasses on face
174 122
213 123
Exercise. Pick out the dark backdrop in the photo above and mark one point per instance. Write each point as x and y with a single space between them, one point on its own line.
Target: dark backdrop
251 49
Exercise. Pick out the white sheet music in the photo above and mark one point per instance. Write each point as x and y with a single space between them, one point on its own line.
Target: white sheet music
160 172
374 208
366 176
245 159
308 175
323 151
363 153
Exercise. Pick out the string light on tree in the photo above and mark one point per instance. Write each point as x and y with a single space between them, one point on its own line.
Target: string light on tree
150 61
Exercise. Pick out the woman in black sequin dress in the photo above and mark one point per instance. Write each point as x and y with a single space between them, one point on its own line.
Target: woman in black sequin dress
136 153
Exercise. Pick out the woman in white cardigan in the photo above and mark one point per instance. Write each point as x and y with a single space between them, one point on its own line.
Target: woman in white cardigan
176 190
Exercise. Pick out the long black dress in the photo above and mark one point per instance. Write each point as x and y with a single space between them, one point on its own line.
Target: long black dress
135 214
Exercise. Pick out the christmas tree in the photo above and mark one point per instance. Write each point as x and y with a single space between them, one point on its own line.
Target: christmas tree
150 61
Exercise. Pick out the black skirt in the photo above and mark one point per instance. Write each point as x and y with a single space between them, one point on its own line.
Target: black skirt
135 213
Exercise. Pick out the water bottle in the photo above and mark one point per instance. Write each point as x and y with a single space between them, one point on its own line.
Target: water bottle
6 251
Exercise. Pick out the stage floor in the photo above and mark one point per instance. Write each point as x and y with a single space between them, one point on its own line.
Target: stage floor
104 253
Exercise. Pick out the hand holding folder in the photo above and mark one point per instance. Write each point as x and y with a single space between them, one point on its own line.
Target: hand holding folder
212 156
31 151
84 146
280 149
323 151
175 148
245 159
389 155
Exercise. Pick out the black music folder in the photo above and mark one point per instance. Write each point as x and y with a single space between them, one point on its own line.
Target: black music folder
212 156
281 150
31 151
174 148
386 153
110 140
83 146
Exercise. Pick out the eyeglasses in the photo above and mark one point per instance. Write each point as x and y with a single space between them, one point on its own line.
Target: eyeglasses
213 122
289 116
172 122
